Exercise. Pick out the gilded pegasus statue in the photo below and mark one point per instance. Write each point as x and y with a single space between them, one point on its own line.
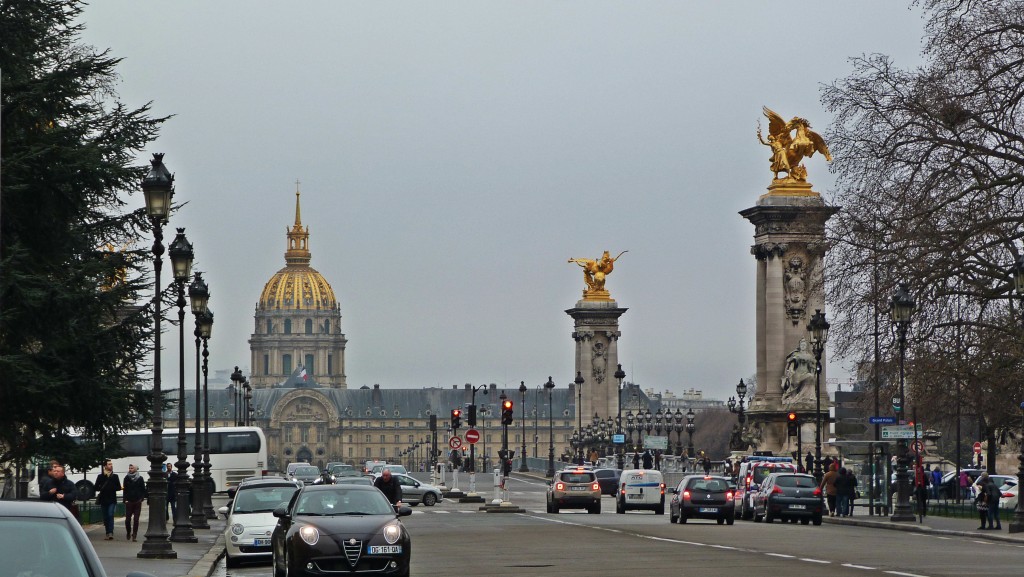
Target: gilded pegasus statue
788 151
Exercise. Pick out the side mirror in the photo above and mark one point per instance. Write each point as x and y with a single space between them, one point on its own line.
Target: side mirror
223 511
281 512
404 511
416 484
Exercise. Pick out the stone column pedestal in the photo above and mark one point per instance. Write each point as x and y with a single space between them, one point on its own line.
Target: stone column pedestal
789 247
596 332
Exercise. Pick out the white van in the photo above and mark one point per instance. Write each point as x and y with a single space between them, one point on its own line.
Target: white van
641 489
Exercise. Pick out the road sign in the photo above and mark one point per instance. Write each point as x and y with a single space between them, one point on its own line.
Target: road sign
472 436
656 442
882 420
455 442
917 446
977 448
618 439
901 431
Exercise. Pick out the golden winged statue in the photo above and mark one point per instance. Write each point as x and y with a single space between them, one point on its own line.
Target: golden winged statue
788 151
594 273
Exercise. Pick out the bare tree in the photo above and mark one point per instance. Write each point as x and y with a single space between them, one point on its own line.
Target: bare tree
930 178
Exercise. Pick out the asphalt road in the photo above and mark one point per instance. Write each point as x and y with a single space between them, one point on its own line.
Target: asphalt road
453 538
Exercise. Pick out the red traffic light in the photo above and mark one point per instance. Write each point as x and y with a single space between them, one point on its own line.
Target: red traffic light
507 405
456 412
791 417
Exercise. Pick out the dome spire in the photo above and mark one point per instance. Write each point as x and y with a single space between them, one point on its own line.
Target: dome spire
298 238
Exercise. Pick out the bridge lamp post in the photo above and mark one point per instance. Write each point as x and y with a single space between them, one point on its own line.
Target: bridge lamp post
901 309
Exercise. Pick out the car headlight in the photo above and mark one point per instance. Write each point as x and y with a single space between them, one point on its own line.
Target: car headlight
237 529
309 534
392 532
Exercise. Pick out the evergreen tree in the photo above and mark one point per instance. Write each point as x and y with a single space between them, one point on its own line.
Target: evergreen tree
73 340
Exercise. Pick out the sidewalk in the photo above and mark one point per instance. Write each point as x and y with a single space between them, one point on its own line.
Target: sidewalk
120 556
951 526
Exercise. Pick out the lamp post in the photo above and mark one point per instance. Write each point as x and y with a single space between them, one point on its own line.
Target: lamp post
158 188
620 450
630 426
679 432
550 386
236 381
522 399
1017 525
579 408
690 428
737 407
818 328
199 294
206 330
246 418
181 255
901 308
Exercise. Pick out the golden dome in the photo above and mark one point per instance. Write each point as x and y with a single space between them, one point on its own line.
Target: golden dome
297 286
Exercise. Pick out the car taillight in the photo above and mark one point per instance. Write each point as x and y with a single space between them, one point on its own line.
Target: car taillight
817 491
777 491
663 488
728 495
686 495
748 480
596 486
559 486
1007 495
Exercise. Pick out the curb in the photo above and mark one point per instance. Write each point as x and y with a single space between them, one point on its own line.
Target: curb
204 567
916 528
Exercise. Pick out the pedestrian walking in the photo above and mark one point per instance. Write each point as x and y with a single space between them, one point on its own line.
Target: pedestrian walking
134 493
826 464
809 463
981 503
993 494
936 481
844 492
965 484
107 485
828 484
636 460
648 460
921 489
706 463
657 460
172 492
61 489
854 493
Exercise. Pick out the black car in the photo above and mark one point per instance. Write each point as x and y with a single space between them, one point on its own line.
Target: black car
609 480
39 538
703 497
340 529
789 496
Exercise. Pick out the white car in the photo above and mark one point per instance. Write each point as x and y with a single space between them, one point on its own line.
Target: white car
1008 501
250 518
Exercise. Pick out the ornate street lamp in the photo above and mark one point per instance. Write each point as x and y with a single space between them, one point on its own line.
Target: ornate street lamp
158 188
199 295
182 255
620 450
690 428
1017 525
550 386
206 331
679 432
630 425
738 408
579 406
901 309
522 399
236 381
818 328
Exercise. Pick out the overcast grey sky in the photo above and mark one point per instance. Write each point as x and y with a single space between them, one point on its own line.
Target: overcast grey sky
454 155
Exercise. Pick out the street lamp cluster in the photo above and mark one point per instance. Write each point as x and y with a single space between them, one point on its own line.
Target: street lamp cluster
242 399
158 190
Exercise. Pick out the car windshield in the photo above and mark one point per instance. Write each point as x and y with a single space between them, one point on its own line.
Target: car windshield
343 501
262 499
606 473
762 471
306 471
709 485
577 477
39 547
798 481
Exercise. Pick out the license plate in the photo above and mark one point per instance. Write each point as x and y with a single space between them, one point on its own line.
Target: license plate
635 496
261 542
384 549
579 488
798 507
708 510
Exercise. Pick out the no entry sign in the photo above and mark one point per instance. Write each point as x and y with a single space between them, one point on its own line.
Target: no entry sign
472 436
977 448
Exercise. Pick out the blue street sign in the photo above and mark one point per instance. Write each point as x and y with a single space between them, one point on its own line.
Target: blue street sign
882 420
618 439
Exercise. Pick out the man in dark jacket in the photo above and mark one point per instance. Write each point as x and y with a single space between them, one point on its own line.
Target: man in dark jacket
134 492
107 485
61 490
389 485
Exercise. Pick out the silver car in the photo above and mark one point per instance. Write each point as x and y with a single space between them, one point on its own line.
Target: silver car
415 492
306 473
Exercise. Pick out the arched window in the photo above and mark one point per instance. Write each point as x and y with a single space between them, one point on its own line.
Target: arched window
309 326
286 364
327 326
287 326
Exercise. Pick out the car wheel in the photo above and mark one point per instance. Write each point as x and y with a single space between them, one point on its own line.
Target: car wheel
672 517
547 505
230 561
682 518
620 507
748 512
660 509
720 521
429 499
768 517
730 520
817 520
554 508
758 518
805 521
595 509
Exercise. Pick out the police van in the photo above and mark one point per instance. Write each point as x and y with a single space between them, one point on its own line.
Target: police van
641 489
751 473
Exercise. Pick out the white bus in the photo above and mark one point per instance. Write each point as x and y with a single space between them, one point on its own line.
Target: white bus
236 453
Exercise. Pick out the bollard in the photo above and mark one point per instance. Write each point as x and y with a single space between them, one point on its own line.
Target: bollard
497 488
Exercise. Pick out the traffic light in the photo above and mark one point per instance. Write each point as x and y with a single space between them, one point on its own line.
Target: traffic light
471 418
506 464
433 422
793 424
506 412
456 418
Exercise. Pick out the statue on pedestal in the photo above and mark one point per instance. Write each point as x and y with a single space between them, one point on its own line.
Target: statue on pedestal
788 151
594 273
799 376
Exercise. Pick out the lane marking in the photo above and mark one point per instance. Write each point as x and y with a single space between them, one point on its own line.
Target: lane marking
904 574
852 566
822 561
784 556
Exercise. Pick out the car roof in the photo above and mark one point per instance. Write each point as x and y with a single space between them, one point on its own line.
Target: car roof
278 482
33 508
347 486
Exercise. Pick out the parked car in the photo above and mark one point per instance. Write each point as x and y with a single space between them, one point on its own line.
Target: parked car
306 473
43 538
609 480
1008 500
702 497
250 518
340 528
789 496
950 483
